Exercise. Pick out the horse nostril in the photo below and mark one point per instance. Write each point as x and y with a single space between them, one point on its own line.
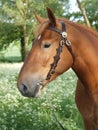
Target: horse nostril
23 89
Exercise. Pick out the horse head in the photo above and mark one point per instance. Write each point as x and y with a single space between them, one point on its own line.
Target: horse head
50 56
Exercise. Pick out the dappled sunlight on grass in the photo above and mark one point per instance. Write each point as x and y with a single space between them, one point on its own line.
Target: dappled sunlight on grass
20 113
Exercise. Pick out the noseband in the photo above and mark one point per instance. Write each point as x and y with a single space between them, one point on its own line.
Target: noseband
63 42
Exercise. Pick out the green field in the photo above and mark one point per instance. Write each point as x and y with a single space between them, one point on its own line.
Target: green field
20 113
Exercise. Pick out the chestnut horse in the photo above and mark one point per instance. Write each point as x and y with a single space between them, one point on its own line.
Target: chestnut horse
59 45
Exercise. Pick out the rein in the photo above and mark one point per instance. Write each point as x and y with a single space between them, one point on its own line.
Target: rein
63 41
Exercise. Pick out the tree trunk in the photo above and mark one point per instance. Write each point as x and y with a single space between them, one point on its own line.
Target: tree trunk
23 49
24 44
84 14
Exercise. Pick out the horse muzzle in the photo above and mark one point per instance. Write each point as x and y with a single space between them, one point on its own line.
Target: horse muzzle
31 91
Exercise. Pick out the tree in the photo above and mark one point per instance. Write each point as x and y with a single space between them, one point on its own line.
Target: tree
12 33
20 13
83 13
91 8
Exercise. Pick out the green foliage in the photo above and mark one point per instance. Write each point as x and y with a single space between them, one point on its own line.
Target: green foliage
91 7
12 33
19 113
59 7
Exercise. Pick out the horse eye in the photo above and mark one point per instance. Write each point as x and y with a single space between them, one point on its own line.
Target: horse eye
46 45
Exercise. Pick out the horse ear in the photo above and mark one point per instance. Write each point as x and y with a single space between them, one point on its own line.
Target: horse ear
39 19
51 16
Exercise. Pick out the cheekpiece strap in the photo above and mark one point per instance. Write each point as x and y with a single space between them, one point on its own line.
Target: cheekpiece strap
63 42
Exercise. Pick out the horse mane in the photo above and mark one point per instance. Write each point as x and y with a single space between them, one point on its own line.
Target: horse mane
81 27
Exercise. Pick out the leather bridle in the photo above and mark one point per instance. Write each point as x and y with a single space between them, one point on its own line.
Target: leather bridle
63 41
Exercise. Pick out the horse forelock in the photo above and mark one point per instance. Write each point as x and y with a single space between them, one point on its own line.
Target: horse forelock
41 28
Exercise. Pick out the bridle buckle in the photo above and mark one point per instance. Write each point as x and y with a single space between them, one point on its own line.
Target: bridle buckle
64 34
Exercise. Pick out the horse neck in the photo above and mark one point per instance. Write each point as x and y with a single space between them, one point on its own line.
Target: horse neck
85 49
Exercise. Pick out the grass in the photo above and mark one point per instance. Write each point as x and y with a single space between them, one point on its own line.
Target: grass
20 113
11 54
